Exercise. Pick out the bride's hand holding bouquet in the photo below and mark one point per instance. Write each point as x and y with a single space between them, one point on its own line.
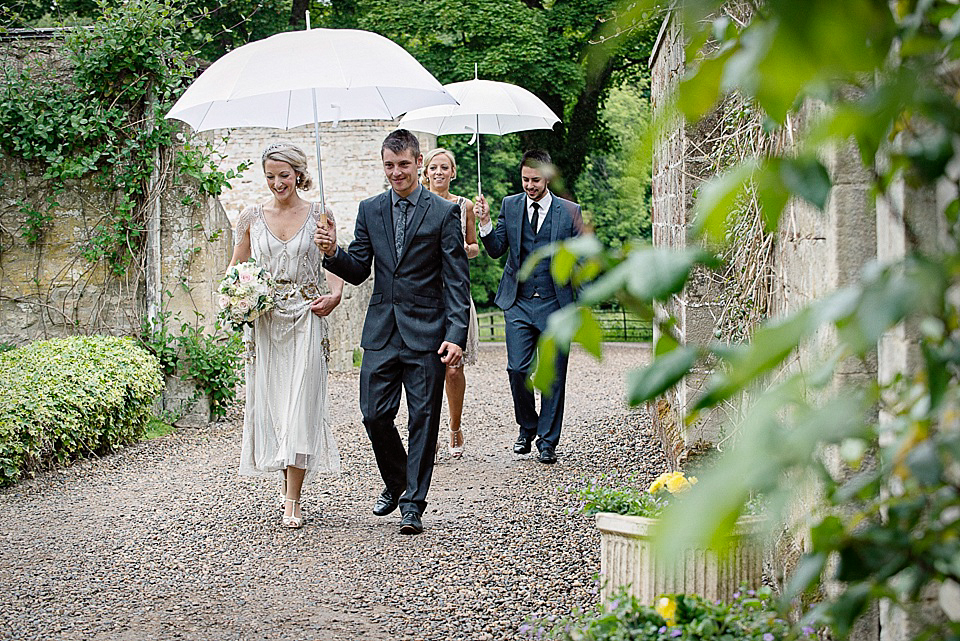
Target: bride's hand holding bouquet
246 292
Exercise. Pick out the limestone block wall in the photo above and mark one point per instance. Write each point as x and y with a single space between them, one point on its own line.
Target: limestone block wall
676 175
899 352
49 289
352 172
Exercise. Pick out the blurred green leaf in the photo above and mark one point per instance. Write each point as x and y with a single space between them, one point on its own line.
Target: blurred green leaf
719 199
663 373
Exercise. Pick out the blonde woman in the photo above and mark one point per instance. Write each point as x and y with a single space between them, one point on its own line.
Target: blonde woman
439 170
286 424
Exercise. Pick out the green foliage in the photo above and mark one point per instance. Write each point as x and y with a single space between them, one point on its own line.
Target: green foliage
614 191
749 617
159 426
212 361
102 117
6 347
552 48
597 495
68 397
156 337
889 508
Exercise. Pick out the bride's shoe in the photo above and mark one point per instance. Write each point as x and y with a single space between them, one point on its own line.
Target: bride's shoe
293 522
456 443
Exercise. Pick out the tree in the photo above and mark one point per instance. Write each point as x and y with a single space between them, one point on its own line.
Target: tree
886 76
551 48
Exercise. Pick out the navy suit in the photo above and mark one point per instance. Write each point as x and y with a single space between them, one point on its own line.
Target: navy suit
526 306
418 302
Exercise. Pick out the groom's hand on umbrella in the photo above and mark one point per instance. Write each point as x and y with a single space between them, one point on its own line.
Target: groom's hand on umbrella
326 236
450 353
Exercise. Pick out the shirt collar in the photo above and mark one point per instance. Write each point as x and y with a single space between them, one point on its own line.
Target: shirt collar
544 202
414 196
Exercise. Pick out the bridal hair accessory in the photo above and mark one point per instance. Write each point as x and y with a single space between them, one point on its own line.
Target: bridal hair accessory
274 147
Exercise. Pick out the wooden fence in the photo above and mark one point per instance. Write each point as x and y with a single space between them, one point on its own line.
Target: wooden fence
618 326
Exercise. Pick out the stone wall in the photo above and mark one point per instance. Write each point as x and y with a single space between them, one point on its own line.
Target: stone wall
814 254
676 175
352 171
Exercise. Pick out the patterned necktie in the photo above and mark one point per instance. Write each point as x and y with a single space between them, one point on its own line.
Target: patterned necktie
402 205
536 217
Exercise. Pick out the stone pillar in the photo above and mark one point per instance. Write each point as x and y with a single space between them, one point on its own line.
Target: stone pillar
899 352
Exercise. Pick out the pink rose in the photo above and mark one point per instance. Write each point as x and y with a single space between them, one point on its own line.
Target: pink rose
246 277
223 301
243 306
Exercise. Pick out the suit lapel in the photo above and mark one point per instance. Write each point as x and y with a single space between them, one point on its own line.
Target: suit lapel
413 224
386 215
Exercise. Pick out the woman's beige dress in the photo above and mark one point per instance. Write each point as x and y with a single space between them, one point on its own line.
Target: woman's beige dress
286 420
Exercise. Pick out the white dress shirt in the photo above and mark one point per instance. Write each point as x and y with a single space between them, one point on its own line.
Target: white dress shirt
544 203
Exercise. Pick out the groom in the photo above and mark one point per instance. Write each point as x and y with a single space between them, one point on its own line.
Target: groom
416 322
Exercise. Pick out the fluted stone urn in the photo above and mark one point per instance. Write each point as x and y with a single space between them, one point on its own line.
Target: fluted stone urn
627 558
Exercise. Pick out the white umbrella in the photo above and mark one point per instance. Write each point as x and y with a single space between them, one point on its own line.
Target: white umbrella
299 77
486 107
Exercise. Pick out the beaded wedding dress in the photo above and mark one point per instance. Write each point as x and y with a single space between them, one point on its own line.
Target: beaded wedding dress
286 421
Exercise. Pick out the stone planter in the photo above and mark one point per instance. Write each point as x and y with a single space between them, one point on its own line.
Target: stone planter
627 558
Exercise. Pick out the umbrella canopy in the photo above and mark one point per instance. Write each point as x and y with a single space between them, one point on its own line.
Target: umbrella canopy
352 74
486 107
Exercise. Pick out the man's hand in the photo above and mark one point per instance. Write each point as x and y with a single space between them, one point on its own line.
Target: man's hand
324 305
450 353
482 210
325 237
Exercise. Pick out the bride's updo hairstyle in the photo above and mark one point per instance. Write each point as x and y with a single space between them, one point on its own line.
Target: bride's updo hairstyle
293 156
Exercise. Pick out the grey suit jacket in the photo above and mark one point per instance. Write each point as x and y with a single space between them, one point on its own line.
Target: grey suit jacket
566 222
426 294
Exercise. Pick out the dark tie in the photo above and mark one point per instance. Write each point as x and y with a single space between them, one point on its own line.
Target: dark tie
536 217
402 205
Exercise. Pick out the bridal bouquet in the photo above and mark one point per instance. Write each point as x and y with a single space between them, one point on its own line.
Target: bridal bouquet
246 292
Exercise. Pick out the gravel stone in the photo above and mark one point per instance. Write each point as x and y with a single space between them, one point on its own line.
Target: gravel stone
163 540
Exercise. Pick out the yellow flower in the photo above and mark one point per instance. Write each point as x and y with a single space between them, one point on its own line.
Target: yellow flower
659 483
679 483
667 608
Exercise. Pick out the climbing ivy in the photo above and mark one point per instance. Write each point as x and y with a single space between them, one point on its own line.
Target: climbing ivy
102 118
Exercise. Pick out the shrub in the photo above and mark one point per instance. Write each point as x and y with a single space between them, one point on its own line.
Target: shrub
677 617
66 397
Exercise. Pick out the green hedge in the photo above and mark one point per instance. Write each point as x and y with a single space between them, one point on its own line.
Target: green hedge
66 397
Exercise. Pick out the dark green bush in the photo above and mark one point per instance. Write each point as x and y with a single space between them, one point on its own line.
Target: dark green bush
66 397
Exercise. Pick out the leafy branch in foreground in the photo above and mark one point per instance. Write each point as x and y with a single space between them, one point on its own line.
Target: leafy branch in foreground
884 81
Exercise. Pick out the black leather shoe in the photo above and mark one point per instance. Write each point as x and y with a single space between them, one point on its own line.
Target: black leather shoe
386 503
411 523
522 446
547 455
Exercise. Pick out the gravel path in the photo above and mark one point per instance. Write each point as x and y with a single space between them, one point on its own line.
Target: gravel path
164 541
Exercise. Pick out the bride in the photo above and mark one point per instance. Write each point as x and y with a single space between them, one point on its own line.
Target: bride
286 424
